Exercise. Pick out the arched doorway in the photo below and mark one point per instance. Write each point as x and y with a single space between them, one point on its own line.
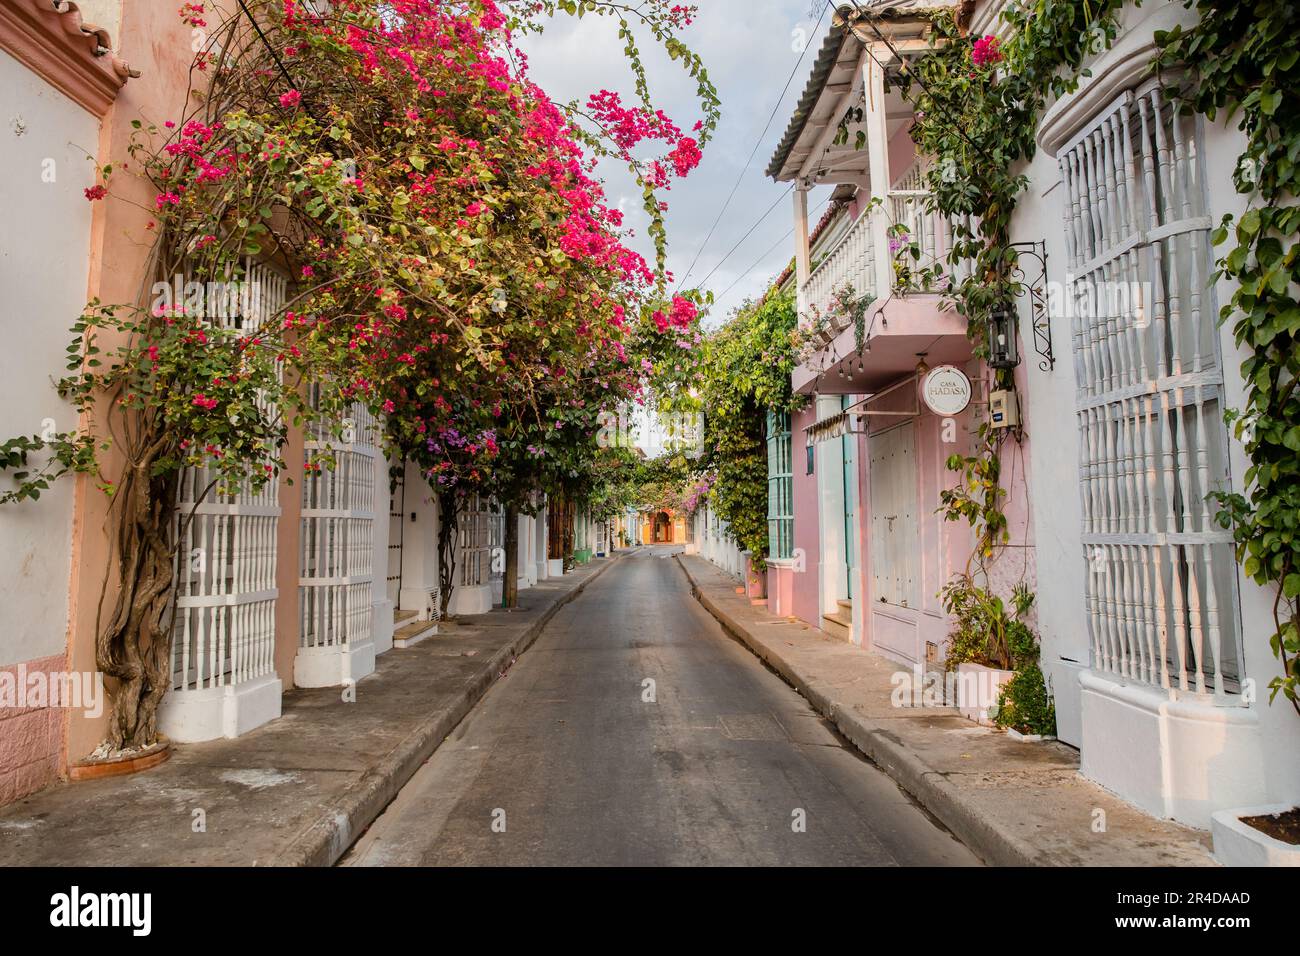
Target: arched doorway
663 528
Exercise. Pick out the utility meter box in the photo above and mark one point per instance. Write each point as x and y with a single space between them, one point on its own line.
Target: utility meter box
1004 409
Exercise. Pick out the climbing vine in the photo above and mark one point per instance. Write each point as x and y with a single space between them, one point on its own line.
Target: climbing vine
1245 57
744 372
450 264
978 101
977 107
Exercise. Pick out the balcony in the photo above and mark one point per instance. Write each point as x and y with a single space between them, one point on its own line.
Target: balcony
848 265
919 242
896 244
914 246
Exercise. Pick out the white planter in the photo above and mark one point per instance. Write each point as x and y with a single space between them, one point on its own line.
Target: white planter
977 690
1027 738
1239 844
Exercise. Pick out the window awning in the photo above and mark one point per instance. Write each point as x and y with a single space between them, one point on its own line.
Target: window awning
853 420
832 427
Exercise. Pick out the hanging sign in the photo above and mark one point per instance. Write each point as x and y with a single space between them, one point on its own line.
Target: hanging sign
946 390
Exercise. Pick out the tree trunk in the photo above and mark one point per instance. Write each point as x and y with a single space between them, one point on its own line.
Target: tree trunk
510 585
447 524
135 647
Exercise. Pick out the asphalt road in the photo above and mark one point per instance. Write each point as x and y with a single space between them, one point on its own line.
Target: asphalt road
573 758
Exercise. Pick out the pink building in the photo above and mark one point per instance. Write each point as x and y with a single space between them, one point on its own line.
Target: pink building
870 552
1153 642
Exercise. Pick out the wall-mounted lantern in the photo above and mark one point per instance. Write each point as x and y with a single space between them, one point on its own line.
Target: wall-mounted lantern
1003 349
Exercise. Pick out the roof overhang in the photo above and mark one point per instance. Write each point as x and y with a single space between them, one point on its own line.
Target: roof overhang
51 39
836 78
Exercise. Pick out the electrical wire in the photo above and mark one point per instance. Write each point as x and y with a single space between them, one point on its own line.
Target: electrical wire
768 125
759 261
748 233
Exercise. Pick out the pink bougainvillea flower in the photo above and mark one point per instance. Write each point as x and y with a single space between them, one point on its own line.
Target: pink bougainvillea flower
291 99
684 312
985 51
96 192
685 157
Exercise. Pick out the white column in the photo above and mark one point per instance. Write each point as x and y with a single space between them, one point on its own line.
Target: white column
539 556
802 252
381 617
530 551
523 578
876 126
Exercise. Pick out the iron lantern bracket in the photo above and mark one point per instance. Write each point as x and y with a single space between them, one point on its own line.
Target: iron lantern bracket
1040 319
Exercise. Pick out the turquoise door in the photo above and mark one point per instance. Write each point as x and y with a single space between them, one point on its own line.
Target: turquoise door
850 446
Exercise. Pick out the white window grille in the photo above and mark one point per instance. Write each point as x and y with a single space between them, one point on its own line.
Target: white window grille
474 564
335 593
223 632
780 486
1161 584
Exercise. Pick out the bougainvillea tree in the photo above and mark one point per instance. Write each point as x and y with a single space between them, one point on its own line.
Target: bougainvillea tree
450 260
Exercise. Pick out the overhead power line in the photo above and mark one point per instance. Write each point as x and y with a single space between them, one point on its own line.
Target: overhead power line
752 153
748 232
759 261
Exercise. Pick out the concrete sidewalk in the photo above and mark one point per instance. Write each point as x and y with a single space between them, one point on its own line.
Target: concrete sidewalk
1012 803
298 791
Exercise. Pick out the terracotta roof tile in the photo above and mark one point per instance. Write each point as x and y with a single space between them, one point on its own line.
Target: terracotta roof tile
97 38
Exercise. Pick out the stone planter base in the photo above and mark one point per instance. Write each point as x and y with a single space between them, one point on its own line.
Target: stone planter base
977 690
1239 844
119 766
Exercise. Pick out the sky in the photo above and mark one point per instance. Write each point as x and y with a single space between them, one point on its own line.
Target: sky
750 48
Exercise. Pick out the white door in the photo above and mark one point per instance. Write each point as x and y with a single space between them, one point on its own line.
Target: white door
895 530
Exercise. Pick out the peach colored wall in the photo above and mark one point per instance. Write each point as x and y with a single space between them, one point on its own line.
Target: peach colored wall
780 590
155 42
1017 561
902 154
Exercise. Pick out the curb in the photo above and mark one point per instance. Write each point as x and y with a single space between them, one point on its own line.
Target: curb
993 844
326 840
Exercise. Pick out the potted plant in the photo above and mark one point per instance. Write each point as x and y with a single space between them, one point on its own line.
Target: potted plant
1024 707
995 655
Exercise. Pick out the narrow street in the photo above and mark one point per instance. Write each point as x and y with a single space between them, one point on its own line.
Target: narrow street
564 762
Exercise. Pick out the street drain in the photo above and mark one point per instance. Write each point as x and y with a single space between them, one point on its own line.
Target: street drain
752 727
